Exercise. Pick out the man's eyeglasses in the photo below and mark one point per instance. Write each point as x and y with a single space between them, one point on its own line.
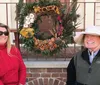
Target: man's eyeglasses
5 33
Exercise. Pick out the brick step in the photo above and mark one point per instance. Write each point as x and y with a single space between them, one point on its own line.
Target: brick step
46 81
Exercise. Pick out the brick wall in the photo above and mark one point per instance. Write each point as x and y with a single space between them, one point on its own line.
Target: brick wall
46 76
46 72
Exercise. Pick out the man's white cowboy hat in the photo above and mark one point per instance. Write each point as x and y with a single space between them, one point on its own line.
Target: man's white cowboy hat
92 30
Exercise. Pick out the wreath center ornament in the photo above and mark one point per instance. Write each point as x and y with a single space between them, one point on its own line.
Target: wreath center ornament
43 27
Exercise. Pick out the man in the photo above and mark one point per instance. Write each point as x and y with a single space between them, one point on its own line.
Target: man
84 67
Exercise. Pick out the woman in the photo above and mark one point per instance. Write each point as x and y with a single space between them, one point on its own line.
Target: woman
12 68
84 67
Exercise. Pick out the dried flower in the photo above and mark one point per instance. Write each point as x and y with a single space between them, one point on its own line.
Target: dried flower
27 32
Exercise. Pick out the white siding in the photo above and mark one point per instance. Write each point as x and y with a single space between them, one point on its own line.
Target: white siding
89 14
97 19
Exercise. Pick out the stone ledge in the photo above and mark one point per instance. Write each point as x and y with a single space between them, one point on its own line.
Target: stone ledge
46 64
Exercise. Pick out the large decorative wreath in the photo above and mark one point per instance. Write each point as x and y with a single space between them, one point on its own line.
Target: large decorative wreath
45 40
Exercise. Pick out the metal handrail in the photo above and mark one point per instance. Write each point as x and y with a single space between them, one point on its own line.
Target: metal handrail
78 30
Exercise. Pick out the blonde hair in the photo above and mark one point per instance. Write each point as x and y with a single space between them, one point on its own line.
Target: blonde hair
8 41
